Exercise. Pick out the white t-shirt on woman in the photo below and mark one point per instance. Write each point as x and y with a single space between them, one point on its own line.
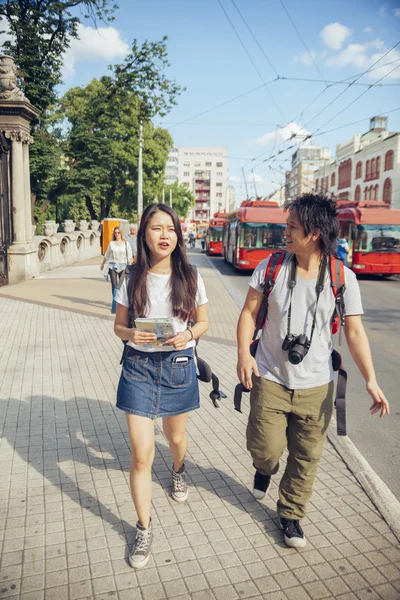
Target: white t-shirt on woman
158 290
118 253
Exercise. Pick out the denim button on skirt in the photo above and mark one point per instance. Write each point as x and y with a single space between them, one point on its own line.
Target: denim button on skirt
158 384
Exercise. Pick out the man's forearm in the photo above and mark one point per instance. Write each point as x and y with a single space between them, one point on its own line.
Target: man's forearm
245 330
360 350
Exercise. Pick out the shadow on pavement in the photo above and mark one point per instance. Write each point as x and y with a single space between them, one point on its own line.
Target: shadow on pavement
85 301
56 456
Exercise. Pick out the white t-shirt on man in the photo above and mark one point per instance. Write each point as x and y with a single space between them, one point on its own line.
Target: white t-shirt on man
158 289
316 367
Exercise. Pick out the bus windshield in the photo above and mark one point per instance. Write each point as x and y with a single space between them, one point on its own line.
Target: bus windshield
215 234
262 235
378 238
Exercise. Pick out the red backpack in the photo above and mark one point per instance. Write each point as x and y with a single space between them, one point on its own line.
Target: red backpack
336 271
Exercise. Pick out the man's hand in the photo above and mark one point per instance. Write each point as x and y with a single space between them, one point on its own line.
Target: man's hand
180 340
379 401
246 365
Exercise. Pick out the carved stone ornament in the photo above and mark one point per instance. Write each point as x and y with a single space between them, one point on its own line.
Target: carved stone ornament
9 89
17 135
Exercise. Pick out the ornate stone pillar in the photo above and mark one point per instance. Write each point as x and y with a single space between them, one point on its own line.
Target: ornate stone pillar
16 113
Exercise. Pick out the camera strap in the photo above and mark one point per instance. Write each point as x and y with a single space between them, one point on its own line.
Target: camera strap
318 289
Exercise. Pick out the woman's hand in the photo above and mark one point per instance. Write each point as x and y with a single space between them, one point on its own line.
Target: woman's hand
379 400
246 365
180 340
140 337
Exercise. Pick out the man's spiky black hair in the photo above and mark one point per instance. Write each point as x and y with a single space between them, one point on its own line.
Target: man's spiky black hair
317 212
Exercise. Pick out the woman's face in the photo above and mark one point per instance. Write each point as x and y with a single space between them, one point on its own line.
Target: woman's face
160 236
117 235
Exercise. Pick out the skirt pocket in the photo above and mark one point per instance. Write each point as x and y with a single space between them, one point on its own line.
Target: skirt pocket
136 367
182 373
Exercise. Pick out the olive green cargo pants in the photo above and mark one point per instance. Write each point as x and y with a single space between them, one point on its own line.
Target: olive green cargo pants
296 419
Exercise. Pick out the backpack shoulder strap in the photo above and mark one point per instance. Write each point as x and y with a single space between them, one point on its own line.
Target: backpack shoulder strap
338 286
271 273
129 276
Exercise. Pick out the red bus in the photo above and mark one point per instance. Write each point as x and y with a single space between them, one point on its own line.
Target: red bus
253 232
215 234
373 233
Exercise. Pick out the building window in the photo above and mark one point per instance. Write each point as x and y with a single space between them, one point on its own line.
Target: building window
368 170
219 173
186 164
366 193
208 164
219 195
333 179
326 183
219 164
387 190
219 184
359 170
357 195
376 192
197 164
316 185
378 167
389 160
344 177
186 174
373 168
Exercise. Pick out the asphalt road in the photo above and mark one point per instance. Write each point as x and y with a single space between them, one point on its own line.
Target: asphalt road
378 440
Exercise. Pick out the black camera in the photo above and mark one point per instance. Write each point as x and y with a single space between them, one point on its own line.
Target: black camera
297 347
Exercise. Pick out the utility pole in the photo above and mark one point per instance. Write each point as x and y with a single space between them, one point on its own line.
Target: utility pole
254 181
140 174
245 184
170 197
163 196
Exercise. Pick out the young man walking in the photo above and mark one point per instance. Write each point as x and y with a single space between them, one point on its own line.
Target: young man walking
291 377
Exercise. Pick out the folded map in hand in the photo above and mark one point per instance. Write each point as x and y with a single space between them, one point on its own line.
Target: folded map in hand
163 328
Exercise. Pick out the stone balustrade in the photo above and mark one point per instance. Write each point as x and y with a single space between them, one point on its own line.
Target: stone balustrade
64 248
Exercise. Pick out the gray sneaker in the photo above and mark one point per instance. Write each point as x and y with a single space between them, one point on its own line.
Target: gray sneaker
180 490
140 553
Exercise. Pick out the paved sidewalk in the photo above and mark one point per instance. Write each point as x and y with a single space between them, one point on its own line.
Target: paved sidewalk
66 516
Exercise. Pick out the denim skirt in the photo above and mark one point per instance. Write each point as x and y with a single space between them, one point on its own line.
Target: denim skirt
158 384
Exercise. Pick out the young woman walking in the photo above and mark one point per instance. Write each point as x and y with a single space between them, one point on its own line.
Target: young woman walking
159 381
118 255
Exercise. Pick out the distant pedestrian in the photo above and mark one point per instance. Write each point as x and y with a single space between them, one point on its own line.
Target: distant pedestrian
159 380
203 241
343 249
192 239
132 240
118 255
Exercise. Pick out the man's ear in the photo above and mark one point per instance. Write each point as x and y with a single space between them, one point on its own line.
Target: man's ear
316 234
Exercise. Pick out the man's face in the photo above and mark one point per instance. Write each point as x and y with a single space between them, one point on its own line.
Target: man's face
133 230
296 239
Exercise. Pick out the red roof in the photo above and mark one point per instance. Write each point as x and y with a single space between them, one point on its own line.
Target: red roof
372 215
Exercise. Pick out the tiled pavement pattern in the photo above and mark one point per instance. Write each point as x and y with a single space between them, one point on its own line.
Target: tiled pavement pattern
66 517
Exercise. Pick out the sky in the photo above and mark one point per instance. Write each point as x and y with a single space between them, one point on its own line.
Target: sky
237 54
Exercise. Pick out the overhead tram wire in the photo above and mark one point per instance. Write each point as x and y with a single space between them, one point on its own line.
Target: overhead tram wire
302 41
252 61
255 39
352 83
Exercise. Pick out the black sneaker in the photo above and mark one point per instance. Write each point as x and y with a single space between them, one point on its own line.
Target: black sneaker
261 485
292 533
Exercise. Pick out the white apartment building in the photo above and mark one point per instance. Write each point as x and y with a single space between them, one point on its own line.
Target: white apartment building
204 171
230 204
305 161
366 168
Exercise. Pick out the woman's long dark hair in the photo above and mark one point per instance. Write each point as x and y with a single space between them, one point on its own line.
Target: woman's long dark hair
183 280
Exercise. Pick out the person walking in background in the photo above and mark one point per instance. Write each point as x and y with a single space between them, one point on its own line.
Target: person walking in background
118 255
203 240
132 240
158 380
291 376
343 249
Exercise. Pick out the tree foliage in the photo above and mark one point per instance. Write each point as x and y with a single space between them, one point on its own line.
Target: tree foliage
182 198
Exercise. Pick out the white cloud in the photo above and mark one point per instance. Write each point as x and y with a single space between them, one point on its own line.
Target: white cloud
397 12
103 42
382 11
367 30
305 58
334 35
290 131
235 178
253 177
362 56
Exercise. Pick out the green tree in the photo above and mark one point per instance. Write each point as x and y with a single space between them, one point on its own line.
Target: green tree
182 198
41 31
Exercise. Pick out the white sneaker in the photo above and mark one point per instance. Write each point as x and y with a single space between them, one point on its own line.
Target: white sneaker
180 490
140 553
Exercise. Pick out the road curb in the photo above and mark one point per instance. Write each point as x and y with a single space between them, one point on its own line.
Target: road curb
378 492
